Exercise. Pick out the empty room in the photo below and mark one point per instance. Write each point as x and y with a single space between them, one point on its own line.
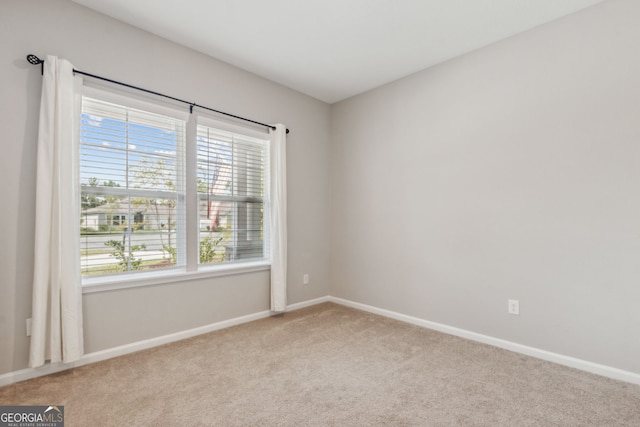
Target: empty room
346 213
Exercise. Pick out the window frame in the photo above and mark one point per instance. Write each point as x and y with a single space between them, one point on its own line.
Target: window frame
240 148
188 196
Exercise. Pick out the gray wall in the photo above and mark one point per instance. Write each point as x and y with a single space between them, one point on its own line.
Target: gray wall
510 172
95 43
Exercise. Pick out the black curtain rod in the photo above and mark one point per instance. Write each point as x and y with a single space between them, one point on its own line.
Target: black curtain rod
33 59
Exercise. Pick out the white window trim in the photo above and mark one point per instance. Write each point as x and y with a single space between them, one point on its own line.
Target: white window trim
192 270
223 125
134 101
135 280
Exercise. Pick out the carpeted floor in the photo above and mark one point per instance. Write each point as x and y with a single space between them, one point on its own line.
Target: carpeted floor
330 365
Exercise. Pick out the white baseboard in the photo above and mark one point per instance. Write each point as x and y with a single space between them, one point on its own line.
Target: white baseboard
606 371
29 373
594 368
308 303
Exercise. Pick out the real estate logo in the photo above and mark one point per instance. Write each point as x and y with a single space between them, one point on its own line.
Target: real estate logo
32 416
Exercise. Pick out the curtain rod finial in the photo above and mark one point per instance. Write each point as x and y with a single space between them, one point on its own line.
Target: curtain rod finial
33 59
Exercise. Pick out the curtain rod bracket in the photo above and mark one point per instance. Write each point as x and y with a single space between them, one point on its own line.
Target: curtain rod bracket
34 60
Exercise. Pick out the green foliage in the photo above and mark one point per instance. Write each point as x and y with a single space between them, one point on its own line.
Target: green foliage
156 174
139 225
203 186
153 174
126 260
173 253
208 247
91 200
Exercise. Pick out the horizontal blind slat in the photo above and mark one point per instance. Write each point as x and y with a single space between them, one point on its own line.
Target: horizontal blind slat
230 193
131 212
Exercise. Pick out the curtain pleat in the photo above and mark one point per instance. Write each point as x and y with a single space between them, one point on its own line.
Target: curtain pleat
57 333
278 217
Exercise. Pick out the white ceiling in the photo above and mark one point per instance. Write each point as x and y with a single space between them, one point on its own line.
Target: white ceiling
334 49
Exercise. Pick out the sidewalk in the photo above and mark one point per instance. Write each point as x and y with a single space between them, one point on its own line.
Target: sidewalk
87 261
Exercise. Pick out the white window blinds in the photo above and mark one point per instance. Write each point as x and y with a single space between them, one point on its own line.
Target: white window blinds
231 188
134 165
132 180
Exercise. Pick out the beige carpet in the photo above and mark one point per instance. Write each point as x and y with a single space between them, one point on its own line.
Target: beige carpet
330 365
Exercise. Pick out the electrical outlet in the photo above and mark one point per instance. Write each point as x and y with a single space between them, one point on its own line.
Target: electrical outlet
514 307
305 279
29 327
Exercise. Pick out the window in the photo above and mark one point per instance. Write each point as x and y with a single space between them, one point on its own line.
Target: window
230 195
134 169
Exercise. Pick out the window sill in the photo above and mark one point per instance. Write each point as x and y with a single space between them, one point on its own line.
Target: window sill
110 283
